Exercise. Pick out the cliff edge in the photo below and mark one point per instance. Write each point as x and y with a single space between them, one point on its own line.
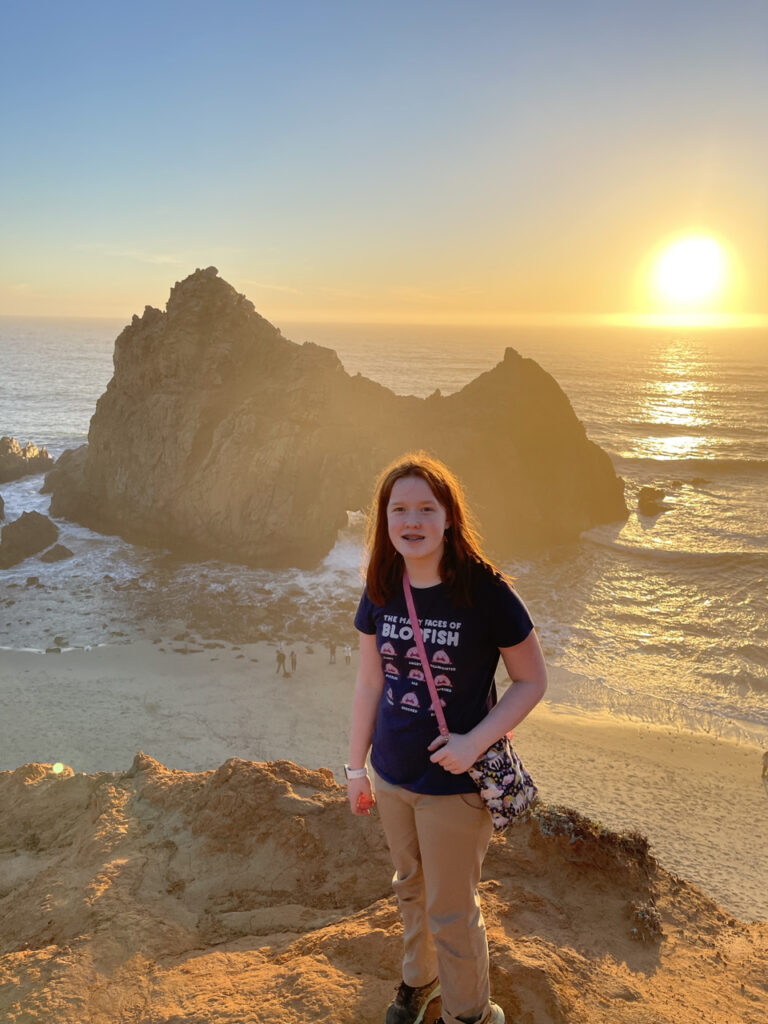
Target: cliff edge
249 894
218 437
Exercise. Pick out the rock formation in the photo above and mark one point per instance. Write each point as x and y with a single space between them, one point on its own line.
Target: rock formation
250 894
17 461
650 500
25 536
58 553
218 437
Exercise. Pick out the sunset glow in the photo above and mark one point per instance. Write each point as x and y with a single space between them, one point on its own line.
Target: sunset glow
390 182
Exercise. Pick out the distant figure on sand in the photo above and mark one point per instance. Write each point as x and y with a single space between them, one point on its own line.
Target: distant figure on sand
434 819
293 661
280 655
332 649
347 654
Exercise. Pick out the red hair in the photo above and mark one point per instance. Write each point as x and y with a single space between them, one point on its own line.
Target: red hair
462 551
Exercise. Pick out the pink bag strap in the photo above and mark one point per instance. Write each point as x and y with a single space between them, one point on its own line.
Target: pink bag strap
437 707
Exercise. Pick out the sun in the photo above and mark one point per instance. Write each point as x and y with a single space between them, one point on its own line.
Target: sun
691 272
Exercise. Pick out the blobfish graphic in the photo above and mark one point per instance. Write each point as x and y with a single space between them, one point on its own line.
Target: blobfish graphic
416 674
444 682
441 658
391 670
410 700
387 648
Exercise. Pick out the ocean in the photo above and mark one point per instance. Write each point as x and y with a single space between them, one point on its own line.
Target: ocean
659 619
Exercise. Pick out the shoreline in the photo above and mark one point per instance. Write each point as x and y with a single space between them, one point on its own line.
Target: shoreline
699 799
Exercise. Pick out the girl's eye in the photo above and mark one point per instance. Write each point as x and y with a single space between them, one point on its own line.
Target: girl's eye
400 509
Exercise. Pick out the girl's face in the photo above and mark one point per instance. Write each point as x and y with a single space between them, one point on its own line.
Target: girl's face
416 523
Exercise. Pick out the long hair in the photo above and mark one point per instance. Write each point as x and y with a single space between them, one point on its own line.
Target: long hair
461 551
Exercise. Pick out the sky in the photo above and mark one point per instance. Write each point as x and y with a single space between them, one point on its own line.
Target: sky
485 161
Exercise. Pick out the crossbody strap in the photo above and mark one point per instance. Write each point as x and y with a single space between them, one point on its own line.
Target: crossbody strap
437 707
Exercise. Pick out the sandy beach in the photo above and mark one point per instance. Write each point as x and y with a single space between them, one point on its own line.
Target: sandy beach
190 705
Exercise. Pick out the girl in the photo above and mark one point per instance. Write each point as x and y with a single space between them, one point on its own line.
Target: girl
436 824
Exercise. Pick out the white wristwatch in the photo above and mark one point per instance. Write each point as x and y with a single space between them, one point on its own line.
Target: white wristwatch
355 773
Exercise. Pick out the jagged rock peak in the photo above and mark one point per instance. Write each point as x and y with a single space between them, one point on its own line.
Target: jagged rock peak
208 286
218 437
202 290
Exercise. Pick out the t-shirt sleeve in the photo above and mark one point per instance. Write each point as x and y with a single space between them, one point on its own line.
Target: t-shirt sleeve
364 621
510 622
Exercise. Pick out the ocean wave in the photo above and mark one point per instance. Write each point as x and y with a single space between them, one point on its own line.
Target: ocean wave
698 712
649 428
714 559
674 467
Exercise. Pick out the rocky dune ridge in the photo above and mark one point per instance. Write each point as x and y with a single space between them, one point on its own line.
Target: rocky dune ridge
218 437
250 894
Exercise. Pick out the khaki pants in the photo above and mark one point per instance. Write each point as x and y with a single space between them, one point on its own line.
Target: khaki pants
437 845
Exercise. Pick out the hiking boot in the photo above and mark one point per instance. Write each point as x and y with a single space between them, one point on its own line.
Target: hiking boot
411 1004
494 1016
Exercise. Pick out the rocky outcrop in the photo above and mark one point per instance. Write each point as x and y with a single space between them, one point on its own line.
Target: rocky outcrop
25 536
218 437
67 477
250 893
58 553
17 461
650 500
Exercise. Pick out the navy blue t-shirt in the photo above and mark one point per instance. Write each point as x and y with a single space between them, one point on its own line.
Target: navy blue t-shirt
462 645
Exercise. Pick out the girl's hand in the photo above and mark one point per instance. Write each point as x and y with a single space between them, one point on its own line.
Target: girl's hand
455 755
360 795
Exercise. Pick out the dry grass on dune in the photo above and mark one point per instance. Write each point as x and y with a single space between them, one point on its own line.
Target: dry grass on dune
250 894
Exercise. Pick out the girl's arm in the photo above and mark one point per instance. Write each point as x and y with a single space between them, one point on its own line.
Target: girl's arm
525 664
365 705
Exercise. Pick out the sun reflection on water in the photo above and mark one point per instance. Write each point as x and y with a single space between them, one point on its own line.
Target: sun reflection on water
676 395
680 446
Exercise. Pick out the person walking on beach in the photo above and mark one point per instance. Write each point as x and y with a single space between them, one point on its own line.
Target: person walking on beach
280 656
332 649
347 654
293 661
434 819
